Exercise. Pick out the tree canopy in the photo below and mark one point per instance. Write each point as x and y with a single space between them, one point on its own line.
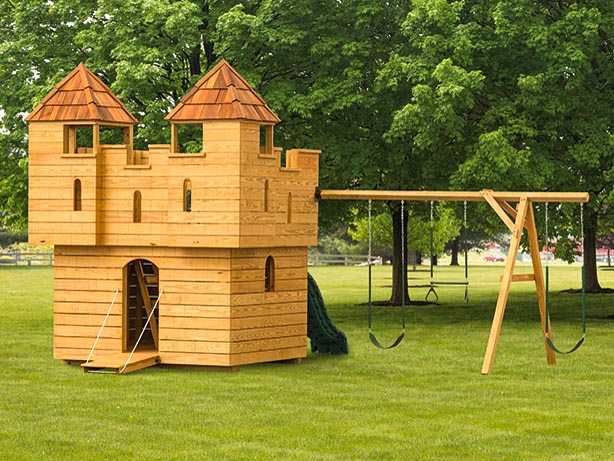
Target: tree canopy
402 94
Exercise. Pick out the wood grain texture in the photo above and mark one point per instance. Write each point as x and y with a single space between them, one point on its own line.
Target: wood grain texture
210 257
199 313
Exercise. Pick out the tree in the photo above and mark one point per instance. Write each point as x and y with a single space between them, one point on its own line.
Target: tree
316 62
445 227
329 99
517 96
33 34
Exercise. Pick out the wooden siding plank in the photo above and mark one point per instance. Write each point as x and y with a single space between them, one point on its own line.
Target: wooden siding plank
268 356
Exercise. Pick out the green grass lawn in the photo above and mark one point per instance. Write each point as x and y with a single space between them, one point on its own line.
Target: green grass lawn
424 400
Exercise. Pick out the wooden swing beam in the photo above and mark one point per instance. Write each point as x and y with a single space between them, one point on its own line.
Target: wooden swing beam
515 218
452 196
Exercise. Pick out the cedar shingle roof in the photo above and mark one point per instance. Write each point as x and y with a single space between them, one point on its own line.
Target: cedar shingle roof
81 96
222 94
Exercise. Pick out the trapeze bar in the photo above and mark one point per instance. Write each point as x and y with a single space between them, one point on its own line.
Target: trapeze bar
452 196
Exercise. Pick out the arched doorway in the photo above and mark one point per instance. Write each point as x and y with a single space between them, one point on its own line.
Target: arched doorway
140 296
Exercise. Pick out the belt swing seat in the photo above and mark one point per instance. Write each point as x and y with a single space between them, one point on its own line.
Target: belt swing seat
583 302
372 336
437 283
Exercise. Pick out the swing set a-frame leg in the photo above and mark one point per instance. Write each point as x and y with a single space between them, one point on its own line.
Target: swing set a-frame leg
506 279
524 217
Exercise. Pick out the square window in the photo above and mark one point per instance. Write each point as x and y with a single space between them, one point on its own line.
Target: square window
79 139
187 138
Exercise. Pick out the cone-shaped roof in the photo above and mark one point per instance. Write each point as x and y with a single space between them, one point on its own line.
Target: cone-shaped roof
81 96
222 94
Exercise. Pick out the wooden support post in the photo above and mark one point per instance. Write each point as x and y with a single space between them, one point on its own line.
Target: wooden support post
70 139
95 138
495 205
128 136
540 286
175 138
506 282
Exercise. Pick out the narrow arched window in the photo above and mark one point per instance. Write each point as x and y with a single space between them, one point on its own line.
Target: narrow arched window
289 212
187 195
76 197
269 274
266 195
136 206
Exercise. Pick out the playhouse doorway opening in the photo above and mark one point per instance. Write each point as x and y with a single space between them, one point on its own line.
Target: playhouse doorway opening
141 291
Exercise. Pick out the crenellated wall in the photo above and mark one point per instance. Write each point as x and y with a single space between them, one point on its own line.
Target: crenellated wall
228 192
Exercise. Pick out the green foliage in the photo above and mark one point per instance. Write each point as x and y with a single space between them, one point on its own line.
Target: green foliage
13 188
25 247
8 238
445 227
332 244
381 233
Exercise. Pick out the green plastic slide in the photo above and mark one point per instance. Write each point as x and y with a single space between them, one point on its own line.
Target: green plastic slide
324 335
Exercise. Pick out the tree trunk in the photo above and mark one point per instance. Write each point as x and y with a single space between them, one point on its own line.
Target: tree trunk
455 245
591 281
418 257
411 260
399 283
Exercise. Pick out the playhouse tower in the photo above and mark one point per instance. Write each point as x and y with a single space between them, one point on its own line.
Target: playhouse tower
212 241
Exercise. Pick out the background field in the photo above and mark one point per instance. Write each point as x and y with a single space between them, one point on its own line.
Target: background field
423 400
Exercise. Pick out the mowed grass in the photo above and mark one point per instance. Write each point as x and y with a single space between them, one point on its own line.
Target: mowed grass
424 400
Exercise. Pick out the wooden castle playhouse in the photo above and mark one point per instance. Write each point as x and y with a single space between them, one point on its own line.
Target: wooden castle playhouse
210 246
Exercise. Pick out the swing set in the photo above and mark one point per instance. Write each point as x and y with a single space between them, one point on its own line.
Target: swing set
436 283
516 219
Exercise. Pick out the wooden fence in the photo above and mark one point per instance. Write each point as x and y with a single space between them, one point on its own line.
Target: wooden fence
342 260
26 259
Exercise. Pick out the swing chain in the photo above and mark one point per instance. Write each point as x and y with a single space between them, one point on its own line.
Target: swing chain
582 228
547 284
403 268
403 233
547 244
372 337
432 203
465 215
369 257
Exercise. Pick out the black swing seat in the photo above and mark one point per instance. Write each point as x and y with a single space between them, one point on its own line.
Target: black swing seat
558 351
379 345
547 329
434 284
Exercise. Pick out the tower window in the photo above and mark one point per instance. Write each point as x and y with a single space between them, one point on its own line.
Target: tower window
136 206
266 195
289 212
77 195
187 138
187 195
79 139
269 275
115 135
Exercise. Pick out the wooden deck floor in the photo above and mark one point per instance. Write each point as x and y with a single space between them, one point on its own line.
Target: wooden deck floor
115 363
